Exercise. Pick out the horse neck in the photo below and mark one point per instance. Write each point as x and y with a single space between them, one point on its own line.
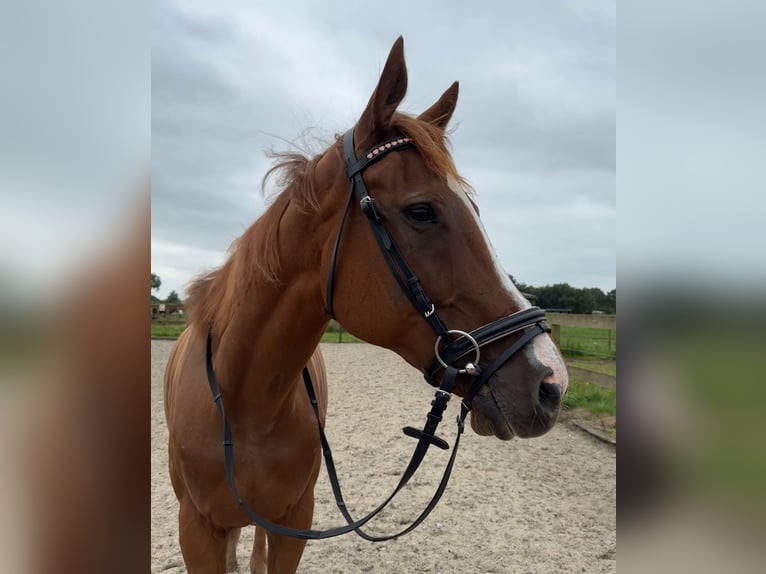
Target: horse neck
275 329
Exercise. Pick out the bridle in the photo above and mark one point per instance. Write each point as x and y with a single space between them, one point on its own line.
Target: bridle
528 322
531 320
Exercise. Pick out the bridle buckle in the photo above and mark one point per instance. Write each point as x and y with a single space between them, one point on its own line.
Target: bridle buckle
367 204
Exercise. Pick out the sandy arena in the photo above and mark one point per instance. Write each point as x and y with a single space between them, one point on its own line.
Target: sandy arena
544 505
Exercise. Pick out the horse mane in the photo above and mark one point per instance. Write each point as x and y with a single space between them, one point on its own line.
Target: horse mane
253 258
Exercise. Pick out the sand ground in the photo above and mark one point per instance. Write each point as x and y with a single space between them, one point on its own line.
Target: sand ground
545 505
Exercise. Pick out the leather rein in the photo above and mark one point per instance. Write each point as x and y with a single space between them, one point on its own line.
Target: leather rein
528 322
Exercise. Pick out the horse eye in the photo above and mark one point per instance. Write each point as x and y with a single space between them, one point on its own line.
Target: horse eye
421 213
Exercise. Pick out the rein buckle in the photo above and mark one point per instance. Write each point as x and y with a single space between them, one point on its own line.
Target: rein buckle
367 204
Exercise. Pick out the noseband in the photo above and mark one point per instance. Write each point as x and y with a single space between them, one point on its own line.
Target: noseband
528 322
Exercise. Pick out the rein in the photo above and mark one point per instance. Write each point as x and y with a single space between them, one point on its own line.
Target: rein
529 322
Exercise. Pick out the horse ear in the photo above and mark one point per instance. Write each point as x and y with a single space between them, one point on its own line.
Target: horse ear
387 95
440 113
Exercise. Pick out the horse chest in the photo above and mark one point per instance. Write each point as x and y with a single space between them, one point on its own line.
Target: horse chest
272 472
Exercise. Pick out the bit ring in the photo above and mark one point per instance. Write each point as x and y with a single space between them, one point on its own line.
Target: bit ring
471 340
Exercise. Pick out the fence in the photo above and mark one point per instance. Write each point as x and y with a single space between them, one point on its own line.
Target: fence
608 322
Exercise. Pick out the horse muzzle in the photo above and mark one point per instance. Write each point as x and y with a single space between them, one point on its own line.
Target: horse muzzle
512 392
520 400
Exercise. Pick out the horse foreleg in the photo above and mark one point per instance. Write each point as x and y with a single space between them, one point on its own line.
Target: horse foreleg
284 552
258 558
231 550
203 545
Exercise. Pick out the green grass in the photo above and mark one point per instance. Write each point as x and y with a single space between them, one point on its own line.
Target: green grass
587 342
605 368
332 337
597 400
331 334
167 329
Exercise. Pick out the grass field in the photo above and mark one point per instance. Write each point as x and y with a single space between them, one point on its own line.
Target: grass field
588 343
167 328
604 367
598 400
331 336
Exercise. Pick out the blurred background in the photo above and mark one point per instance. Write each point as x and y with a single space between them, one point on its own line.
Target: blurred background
74 257
691 273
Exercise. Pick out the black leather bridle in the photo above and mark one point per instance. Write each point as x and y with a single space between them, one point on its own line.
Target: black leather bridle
531 320
528 322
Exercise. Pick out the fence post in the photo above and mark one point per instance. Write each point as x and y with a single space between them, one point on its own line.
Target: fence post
340 333
609 341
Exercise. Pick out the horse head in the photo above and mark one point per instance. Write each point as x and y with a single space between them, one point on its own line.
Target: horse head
427 209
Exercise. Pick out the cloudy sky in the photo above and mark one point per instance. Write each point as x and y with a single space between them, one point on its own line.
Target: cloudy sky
534 127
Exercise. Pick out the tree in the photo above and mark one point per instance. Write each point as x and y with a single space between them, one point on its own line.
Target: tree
156 282
557 296
574 299
173 298
523 287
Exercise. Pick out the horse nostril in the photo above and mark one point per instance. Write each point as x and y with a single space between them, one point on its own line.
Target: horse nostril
549 395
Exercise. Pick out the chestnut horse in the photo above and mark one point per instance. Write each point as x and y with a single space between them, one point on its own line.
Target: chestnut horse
267 307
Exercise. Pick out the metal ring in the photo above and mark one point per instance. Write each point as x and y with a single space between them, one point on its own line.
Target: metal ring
467 336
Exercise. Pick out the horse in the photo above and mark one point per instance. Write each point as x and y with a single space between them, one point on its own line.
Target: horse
263 313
